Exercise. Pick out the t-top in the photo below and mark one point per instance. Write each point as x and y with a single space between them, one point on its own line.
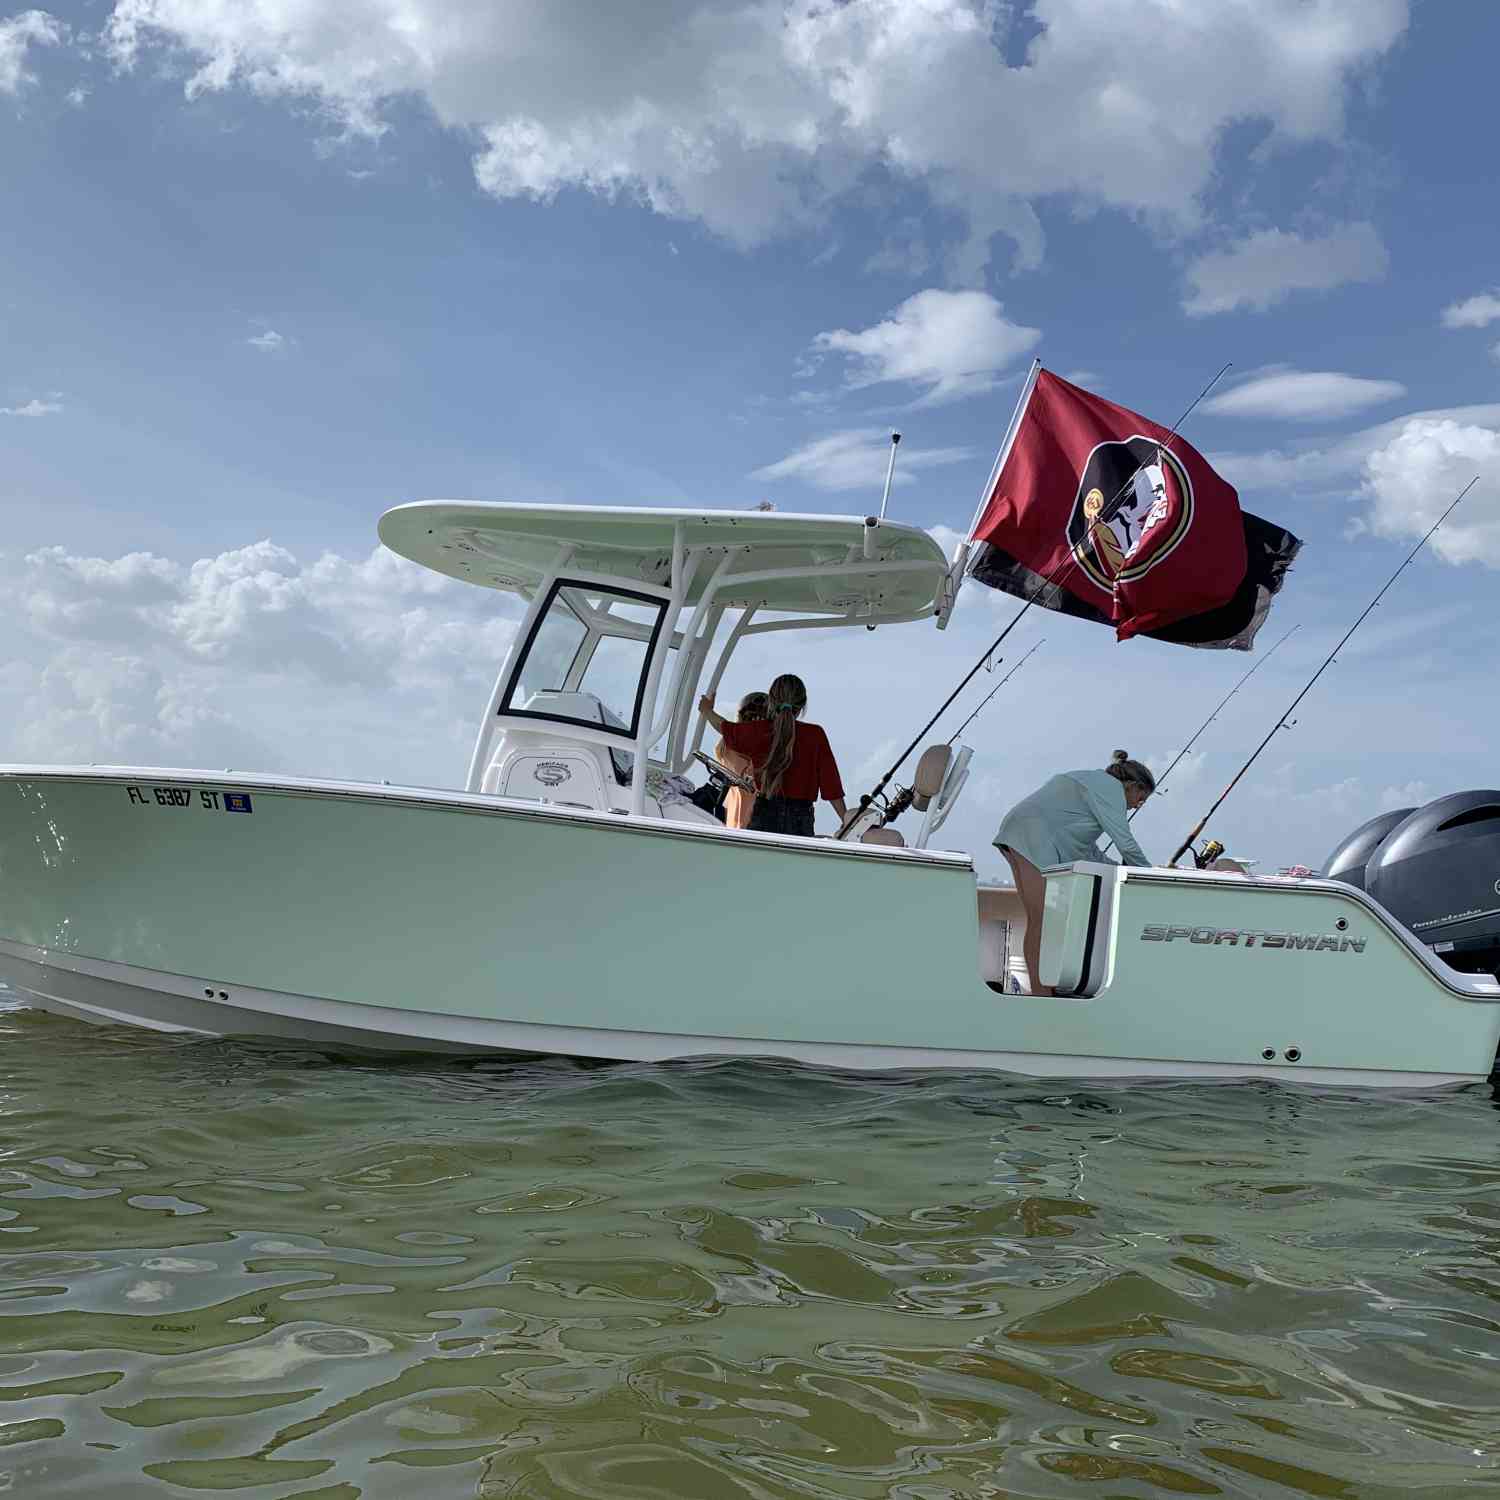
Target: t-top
813 772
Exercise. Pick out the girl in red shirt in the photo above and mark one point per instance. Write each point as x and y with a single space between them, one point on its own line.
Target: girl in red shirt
794 763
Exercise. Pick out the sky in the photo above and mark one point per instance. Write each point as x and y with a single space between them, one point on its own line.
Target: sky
270 267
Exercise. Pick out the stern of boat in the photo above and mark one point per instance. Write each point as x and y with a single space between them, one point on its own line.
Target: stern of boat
1281 971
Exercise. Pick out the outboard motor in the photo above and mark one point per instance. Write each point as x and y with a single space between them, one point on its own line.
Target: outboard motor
1439 873
1347 862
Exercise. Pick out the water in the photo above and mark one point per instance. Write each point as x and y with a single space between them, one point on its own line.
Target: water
261 1269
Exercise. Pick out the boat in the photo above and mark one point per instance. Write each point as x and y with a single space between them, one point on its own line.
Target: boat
574 897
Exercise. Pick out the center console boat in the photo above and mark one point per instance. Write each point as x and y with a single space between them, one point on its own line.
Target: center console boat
571 898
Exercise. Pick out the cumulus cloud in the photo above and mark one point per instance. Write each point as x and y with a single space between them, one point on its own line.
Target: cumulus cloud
268 342
1302 395
752 116
1411 479
856 458
18 34
1478 311
948 344
1317 465
252 658
36 407
1267 267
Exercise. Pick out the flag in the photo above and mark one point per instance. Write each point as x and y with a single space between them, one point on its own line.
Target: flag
1099 512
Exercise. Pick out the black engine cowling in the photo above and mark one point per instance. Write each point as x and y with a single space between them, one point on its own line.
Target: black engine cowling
1438 872
1347 862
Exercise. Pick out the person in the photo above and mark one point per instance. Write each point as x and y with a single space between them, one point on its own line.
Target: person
1063 821
738 804
794 763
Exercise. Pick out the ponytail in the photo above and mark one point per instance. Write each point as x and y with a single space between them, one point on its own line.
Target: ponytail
788 697
1131 772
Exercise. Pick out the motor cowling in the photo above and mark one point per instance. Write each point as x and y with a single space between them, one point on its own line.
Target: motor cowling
1438 872
1347 862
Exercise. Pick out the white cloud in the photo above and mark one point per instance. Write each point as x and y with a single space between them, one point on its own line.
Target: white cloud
1408 794
950 344
1268 266
1478 311
18 33
1412 478
1316 465
250 658
753 116
370 667
1302 395
856 458
36 407
268 342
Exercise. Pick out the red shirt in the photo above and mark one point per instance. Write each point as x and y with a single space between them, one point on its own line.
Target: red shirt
813 772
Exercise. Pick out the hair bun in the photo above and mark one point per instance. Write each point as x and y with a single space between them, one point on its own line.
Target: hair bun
1120 755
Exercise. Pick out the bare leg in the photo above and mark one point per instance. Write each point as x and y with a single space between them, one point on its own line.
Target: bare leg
1033 889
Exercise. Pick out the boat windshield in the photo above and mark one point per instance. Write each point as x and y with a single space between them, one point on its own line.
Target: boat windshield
586 658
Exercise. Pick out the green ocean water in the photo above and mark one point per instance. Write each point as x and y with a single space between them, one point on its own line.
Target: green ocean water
252 1268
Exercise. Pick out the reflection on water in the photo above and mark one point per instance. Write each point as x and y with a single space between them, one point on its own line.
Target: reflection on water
247 1267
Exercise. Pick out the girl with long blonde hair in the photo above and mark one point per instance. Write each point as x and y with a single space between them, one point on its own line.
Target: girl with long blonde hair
738 803
793 761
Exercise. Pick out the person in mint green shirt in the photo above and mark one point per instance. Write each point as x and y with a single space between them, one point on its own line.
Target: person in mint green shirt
1063 821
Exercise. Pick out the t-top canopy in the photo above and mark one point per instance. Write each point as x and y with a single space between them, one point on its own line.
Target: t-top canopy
828 571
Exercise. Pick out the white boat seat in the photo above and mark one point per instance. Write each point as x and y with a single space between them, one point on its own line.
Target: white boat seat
888 836
941 773
927 781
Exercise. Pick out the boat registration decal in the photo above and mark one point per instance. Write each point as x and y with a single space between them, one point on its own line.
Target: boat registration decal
1218 937
183 796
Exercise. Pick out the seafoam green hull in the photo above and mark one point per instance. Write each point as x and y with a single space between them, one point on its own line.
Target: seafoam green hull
409 918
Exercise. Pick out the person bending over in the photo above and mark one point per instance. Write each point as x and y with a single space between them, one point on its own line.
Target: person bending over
1063 821
794 763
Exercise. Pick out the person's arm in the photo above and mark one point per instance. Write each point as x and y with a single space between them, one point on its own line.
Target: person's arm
830 785
1108 808
706 708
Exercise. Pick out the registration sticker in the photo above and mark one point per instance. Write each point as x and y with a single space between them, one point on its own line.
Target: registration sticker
237 802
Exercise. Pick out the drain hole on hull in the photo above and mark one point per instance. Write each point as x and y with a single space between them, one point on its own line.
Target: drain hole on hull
209 994
1269 1053
1293 1054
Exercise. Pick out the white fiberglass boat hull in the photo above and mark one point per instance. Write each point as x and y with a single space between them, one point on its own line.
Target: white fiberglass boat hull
411 919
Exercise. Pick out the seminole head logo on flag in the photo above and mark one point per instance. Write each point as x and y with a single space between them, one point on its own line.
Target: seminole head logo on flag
1099 512
1134 505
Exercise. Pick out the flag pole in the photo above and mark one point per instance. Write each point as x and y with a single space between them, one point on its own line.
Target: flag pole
1187 843
959 565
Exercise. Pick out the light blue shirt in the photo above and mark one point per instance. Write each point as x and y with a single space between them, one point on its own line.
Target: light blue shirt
1064 820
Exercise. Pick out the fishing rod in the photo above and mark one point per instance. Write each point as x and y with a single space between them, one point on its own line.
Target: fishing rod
1187 843
1049 580
1161 780
995 690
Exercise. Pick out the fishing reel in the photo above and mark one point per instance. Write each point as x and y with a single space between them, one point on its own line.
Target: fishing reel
1204 858
877 812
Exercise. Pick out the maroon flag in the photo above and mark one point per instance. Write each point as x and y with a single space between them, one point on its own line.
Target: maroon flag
1102 513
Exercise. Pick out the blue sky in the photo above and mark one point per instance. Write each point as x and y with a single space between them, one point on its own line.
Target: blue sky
270 268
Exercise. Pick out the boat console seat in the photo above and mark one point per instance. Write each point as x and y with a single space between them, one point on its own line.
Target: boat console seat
888 836
932 767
